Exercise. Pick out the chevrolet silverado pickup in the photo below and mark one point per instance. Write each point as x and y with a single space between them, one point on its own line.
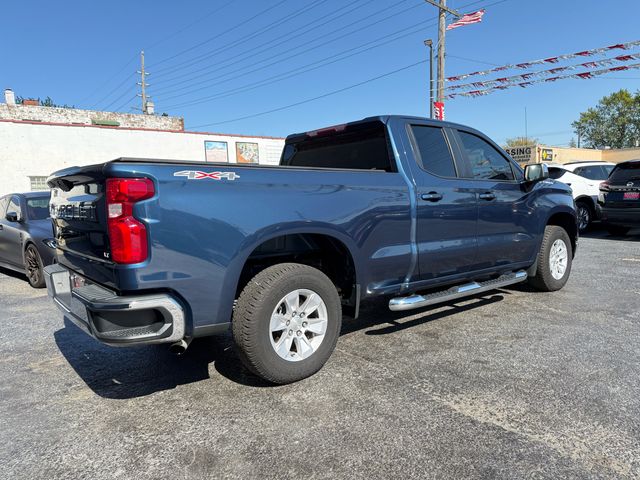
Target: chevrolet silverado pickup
415 210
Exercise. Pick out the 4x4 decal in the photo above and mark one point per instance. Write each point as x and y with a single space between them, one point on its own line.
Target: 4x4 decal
198 175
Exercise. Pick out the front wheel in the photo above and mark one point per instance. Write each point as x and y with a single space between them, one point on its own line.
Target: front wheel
554 260
33 267
286 322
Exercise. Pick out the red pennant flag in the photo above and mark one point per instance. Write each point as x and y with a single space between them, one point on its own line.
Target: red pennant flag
621 46
551 60
624 58
584 75
617 69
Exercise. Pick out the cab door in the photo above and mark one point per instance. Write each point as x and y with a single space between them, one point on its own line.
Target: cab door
507 227
446 208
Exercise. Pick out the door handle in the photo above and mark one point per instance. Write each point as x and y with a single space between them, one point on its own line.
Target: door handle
487 196
431 197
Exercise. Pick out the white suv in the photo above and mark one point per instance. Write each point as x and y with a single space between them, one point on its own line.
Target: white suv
584 178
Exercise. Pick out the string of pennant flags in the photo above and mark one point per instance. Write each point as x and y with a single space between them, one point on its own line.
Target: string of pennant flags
549 60
525 84
525 77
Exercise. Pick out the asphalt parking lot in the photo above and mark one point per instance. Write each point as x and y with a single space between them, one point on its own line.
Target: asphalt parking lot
511 384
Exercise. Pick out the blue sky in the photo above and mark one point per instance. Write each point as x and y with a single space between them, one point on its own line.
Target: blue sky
85 54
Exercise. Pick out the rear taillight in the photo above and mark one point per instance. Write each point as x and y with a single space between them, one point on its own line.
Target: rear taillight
604 186
127 235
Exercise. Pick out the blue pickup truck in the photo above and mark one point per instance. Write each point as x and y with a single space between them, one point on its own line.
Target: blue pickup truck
419 211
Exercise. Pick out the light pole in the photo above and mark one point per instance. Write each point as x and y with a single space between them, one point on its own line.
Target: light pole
429 43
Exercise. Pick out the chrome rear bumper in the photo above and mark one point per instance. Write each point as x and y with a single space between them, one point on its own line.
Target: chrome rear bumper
113 319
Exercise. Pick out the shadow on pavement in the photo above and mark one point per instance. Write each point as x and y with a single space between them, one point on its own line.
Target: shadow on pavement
598 232
130 372
121 373
13 273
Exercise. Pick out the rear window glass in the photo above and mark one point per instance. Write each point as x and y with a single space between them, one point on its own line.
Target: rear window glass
38 208
625 172
363 147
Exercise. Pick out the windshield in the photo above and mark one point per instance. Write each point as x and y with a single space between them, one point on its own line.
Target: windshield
38 208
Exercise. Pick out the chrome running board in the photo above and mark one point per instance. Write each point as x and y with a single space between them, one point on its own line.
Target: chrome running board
453 293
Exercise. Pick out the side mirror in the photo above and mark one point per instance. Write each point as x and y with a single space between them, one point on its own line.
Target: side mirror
536 172
12 217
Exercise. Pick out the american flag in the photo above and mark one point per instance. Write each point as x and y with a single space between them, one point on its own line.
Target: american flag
467 19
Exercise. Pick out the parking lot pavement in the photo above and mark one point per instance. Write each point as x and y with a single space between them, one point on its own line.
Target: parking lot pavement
511 384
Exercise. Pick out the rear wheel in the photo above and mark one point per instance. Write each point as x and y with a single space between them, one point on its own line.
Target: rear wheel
617 230
585 215
554 260
33 267
287 322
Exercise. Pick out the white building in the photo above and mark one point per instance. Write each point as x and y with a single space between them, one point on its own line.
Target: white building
36 141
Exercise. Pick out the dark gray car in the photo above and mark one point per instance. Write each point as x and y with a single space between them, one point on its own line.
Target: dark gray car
25 226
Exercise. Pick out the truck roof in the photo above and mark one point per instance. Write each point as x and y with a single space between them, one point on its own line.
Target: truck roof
376 118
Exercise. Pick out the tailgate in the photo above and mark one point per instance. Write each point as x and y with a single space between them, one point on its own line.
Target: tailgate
79 221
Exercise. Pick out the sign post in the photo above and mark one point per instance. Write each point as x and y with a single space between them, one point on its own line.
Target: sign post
439 110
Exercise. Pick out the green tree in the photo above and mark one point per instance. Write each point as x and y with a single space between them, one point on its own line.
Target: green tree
614 122
520 142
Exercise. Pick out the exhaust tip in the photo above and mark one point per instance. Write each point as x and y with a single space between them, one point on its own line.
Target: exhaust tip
179 347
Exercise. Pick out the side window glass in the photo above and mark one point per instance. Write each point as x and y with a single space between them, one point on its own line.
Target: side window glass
485 161
14 206
434 153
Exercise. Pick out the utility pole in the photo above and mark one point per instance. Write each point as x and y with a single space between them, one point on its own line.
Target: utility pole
143 84
442 14
429 43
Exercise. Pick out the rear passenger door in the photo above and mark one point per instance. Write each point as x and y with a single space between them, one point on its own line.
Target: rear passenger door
506 230
446 208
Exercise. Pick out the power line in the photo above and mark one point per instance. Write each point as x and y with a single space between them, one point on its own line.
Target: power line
289 56
297 71
266 46
204 42
300 70
132 87
126 65
186 27
324 95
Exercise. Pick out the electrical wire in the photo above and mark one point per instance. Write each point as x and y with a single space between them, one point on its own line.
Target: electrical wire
324 95
268 47
285 75
301 70
210 39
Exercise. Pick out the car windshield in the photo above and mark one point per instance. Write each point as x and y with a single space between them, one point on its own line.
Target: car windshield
38 208
625 172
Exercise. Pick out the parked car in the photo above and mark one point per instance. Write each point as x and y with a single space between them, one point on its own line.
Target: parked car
153 251
584 178
620 198
25 227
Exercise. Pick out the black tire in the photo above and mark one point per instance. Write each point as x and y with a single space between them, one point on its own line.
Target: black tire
585 215
33 267
252 318
544 279
617 230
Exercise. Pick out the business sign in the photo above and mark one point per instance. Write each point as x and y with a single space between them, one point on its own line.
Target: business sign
524 154
546 155
438 110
